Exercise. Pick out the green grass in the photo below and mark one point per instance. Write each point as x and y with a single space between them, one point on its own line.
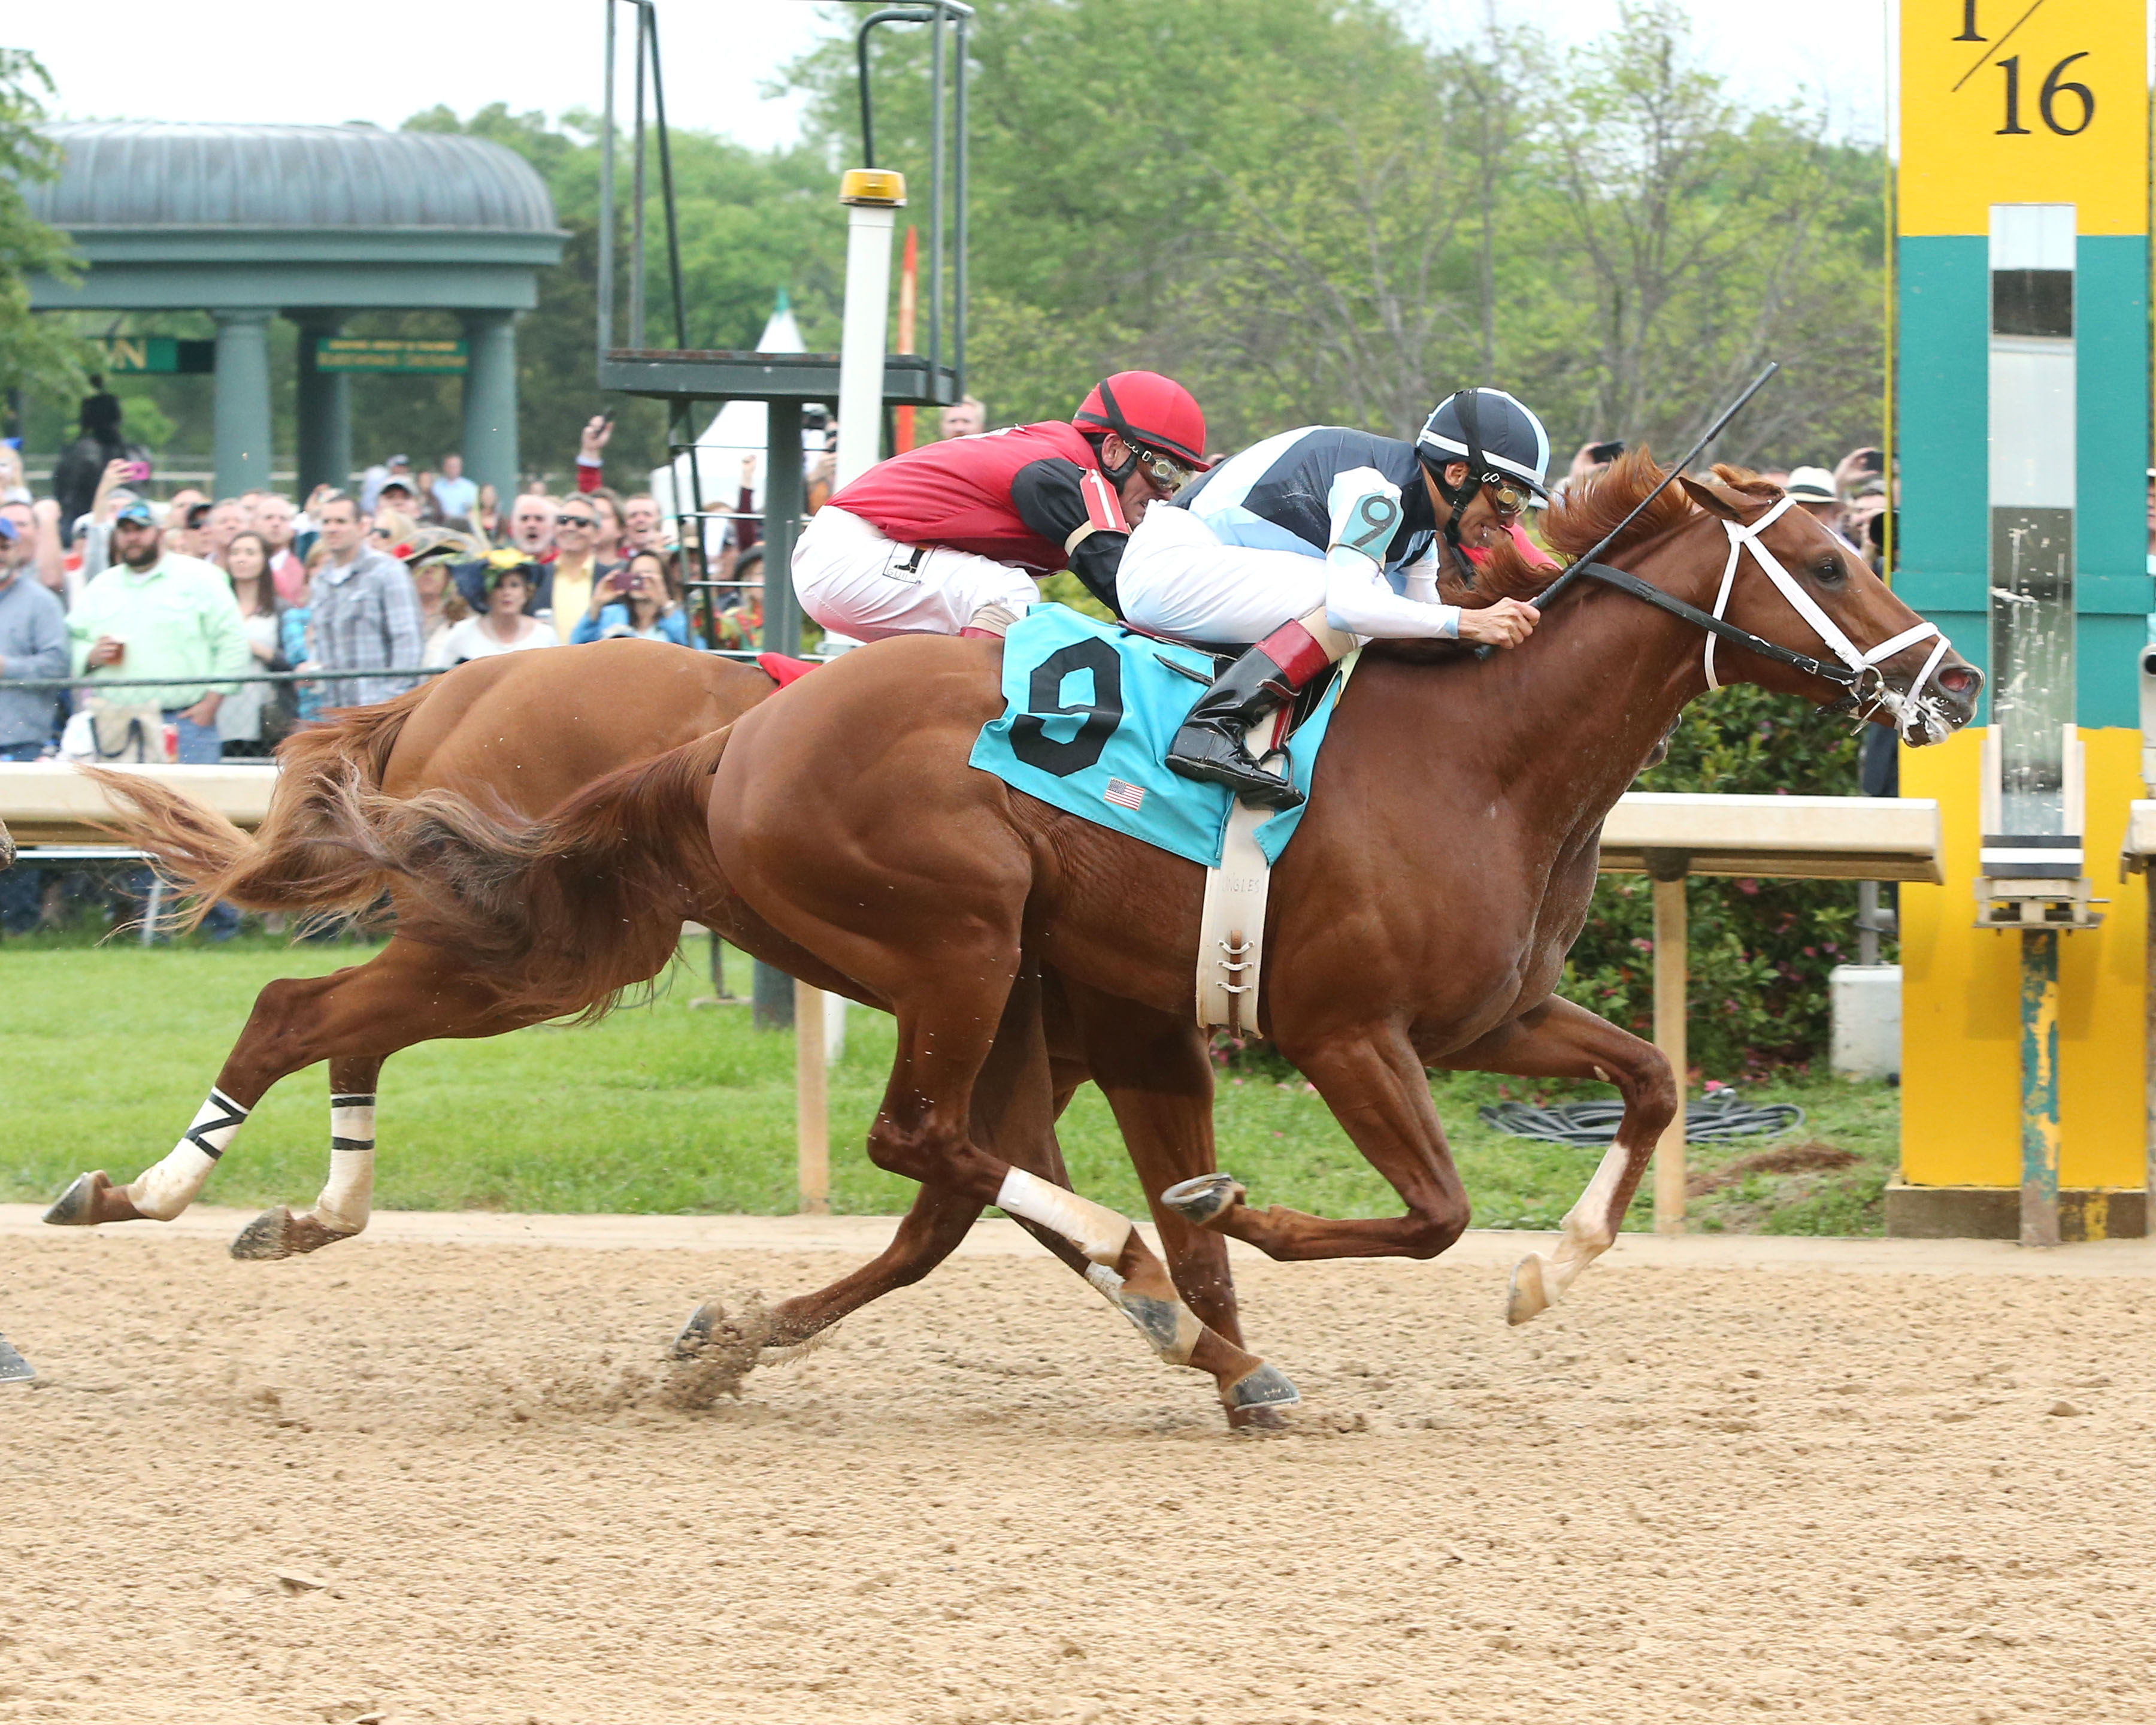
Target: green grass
664 1109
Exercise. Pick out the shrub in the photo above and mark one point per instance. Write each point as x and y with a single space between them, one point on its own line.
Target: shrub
1760 949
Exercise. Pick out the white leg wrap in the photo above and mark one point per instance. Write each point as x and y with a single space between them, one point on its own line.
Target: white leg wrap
1094 1229
162 1192
348 1199
1170 1327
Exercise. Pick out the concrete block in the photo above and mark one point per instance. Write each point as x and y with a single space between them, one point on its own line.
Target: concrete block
1867 1004
1994 1213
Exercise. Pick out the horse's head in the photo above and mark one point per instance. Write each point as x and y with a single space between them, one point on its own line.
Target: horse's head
1736 547
1784 577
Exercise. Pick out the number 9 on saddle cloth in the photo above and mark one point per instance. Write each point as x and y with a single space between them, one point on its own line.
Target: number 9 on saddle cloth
1089 712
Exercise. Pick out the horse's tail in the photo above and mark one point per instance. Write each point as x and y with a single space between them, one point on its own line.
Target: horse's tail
562 913
288 862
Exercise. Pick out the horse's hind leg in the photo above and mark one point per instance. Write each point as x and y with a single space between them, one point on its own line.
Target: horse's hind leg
920 1132
405 993
1154 1069
1007 1116
348 1197
1558 1039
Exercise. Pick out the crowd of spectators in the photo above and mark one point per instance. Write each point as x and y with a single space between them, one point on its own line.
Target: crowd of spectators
154 607
159 610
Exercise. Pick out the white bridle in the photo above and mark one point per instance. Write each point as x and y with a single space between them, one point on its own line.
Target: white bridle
1894 701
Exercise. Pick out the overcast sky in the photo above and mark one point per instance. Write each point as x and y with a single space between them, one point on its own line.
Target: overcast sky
272 60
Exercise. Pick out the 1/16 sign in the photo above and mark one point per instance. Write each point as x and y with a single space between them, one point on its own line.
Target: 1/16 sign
2055 83
2023 101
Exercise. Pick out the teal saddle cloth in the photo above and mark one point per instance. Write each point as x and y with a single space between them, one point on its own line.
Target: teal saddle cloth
1089 712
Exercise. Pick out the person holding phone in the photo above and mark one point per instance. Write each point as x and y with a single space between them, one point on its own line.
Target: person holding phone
634 602
83 463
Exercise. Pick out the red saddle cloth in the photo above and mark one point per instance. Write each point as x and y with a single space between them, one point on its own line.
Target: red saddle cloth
781 670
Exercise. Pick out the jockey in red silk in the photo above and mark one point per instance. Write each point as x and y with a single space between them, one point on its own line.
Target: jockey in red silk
1319 539
921 543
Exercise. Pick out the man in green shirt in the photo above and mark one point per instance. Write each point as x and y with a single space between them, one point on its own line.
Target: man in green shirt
155 613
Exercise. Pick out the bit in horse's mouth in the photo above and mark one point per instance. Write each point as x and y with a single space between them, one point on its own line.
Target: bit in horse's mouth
1927 724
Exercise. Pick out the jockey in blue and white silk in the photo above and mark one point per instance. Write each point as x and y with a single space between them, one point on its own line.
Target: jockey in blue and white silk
1310 543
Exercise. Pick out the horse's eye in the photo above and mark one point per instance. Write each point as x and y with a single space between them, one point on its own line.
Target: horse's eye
1828 571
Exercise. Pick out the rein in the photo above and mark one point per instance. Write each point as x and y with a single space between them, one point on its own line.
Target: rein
1858 671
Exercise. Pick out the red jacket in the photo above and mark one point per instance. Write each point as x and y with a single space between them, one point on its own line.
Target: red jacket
1031 495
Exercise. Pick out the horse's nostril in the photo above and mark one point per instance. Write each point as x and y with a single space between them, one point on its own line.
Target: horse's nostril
1962 681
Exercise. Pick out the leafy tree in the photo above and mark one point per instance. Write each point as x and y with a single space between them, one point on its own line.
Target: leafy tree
35 352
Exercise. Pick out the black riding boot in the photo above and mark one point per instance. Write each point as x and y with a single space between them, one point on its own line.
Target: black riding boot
1210 746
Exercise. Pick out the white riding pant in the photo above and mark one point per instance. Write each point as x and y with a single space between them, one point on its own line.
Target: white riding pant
855 580
1177 579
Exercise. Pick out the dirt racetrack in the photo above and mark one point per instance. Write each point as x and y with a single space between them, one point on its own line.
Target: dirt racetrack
436 1481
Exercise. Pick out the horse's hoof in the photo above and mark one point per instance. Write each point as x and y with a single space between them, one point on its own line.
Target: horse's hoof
1266 1389
91 1200
13 1367
278 1234
1528 1295
693 1337
1258 1419
1204 1200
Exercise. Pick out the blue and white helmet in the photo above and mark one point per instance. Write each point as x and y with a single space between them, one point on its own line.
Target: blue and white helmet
1490 431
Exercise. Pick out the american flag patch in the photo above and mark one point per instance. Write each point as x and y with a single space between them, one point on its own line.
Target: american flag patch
1125 796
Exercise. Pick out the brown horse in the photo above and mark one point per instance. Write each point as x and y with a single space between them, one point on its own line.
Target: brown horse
1420 918
524 731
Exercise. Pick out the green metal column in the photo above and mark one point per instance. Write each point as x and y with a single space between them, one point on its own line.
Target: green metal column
2040 1087
325 413
783 500
489 451
241 421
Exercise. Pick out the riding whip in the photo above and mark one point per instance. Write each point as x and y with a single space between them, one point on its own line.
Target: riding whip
1608 539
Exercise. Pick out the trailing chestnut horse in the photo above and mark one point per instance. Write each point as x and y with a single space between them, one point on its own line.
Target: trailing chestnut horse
523 732
1420 919
520 732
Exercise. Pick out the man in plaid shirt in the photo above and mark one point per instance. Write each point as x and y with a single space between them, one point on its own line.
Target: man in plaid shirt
365 613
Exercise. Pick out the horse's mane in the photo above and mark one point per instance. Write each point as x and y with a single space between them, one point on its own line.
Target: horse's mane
1577 521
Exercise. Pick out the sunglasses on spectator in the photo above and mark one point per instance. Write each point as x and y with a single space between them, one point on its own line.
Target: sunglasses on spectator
575 520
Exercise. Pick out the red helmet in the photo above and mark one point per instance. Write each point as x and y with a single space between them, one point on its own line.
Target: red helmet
1147 410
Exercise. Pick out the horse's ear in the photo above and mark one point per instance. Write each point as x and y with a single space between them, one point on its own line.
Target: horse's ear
1718 498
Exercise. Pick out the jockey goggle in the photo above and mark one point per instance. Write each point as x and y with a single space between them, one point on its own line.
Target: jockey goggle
1165 471
1508 495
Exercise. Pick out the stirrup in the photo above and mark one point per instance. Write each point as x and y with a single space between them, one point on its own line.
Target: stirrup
1226 762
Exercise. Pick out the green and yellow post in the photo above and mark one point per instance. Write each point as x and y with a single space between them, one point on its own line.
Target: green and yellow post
2022 415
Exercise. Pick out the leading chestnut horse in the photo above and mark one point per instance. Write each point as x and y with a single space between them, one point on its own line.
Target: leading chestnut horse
1420 919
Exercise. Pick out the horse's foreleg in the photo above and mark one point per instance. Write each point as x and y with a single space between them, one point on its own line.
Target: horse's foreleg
1374 1082
920 1132
1559 1039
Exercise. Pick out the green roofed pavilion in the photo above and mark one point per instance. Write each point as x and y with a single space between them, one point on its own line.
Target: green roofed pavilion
317 222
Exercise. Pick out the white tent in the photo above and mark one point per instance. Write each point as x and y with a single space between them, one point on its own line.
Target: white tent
739 429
